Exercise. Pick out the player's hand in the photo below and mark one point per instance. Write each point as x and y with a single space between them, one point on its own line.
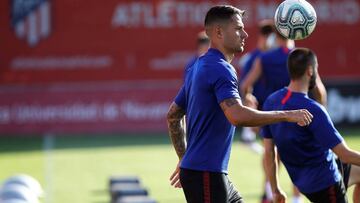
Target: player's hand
302 117
279 196
250 101
175 177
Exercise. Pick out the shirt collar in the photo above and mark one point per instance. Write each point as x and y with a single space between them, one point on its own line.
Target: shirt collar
216 52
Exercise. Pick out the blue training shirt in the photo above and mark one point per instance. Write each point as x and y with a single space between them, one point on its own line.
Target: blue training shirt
274 71
305 151
209 134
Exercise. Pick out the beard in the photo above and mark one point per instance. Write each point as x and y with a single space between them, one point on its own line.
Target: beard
312 82
236 49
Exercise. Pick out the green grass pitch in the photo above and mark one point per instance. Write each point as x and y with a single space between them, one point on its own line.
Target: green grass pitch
76 169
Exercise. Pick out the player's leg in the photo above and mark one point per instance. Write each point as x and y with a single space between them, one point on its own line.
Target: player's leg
248 137
296 195
203 187
354 179
248 134
192 183
222 190
267 196
335 193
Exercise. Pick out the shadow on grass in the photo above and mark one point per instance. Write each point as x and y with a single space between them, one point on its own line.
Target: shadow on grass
36 143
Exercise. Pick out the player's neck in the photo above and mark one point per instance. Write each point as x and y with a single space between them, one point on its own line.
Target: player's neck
298 86
228 56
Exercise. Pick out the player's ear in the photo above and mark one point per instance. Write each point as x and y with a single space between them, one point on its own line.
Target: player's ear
219 31
310 71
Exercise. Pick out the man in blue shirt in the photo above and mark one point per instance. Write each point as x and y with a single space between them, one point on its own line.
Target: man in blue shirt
265 29
202 46
307 152
210 99
269 68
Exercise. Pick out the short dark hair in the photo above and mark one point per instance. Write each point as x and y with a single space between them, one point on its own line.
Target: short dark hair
299 60
202 38
266 27
221 13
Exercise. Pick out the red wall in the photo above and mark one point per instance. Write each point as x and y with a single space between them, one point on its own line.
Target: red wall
119 44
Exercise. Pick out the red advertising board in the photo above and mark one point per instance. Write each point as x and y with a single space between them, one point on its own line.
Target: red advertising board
87 40
85 108
68 44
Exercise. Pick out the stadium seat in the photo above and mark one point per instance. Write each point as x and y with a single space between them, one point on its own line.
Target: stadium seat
120 190
123 179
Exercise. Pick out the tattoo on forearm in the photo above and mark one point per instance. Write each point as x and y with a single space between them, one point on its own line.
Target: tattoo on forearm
177 129
227 103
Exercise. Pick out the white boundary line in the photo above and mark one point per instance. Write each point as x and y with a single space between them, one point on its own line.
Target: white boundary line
48 146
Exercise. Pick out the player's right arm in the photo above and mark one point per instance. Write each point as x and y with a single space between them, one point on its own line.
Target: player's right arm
176 127
240 115
271 169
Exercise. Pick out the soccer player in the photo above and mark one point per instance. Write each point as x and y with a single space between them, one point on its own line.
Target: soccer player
265 28
270 70
210 99
308 152
202 46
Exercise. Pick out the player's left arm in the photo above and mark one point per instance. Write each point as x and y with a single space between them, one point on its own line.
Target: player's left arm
328 136
319 92
346 154
271 169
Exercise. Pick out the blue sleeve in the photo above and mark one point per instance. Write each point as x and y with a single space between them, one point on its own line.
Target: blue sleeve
265 131
225 84
180 98
323 128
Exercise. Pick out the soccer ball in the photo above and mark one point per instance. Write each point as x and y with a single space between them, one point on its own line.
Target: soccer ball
295 19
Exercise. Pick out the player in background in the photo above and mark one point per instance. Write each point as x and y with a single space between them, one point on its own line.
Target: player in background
202 46
211 101
270 68
265 29
308 152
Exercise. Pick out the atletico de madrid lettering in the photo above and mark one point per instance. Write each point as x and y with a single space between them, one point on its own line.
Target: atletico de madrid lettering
31 20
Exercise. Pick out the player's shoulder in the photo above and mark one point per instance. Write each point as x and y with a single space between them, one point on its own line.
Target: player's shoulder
215 68
215 64
314 106
275 98
270 52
